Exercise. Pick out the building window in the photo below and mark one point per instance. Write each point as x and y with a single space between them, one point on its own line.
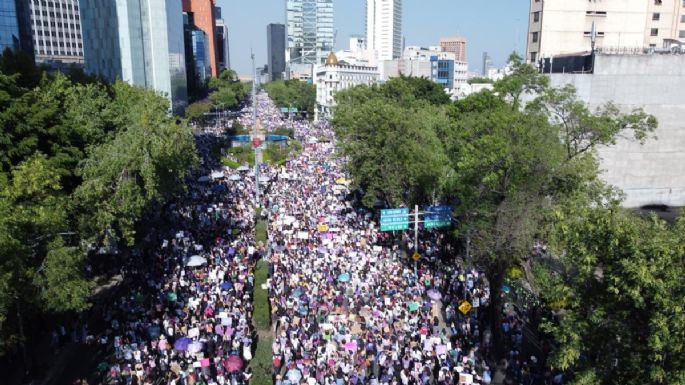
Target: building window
654 32
536 17
656 16
681 34
533 57
682 18
534 37
657 2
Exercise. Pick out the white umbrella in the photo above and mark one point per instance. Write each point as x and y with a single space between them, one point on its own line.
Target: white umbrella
243 168
196 260
217 174
264 179
234 177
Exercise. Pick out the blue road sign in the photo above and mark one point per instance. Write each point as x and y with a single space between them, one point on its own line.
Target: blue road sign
394 219
438 216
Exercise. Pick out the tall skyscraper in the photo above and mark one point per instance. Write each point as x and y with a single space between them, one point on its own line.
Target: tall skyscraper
275 42
456 45
487 64
222 47
204 19
138 41
56 27
384 28
310 31
15 30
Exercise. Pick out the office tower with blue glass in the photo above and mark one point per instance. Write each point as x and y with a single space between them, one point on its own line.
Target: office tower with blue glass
138 41
15 29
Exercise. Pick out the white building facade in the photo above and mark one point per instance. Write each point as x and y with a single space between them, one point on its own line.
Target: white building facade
335 76
384 28
558 27
56 27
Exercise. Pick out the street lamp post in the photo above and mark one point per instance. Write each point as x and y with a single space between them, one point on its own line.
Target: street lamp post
254 132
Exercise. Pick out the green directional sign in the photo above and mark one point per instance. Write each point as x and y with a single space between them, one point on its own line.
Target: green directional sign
394 219
437 224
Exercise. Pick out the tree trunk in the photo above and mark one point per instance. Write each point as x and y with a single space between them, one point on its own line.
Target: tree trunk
495 276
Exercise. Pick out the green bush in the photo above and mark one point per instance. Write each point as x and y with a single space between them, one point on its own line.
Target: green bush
243 154
230 163
262 363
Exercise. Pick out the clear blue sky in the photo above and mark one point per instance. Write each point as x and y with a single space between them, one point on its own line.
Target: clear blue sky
496 26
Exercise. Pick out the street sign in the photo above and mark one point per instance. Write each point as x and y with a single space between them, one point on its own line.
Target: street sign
394 219
416 257
465 307
438 216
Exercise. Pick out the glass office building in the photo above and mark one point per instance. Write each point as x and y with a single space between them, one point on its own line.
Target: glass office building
138 41
310 31
9 26
203 68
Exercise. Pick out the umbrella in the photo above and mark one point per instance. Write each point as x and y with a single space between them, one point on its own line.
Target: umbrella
243 168
506 289
172 296
203 179
343 181
182 344
217 174
226 286
264 179
195 347
219 188
234 177
196 260
294 376
414 306
233 364
434 294
344 277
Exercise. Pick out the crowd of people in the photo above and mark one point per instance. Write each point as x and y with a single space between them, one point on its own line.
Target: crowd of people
348 306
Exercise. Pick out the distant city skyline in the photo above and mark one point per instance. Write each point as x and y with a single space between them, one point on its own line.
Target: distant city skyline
497 26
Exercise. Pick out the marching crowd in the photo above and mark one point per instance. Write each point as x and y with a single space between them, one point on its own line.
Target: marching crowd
347 304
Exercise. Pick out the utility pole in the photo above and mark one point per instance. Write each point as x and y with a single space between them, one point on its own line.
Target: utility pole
254 131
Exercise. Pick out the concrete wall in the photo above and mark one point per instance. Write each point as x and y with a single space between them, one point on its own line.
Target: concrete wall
653 173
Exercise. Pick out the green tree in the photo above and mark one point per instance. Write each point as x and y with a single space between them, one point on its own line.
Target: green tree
293 94
144 163
394 151
583 130
617 296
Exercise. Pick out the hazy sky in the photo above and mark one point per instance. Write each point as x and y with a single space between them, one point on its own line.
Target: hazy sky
496 26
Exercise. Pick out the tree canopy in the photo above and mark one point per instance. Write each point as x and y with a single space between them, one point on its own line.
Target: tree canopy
293 94
78 159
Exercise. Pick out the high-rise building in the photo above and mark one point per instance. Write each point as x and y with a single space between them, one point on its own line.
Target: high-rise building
15 29
456 45
222 47
487 64
384 28
275 42
138 41
56 27
205 20
310 33
566 27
